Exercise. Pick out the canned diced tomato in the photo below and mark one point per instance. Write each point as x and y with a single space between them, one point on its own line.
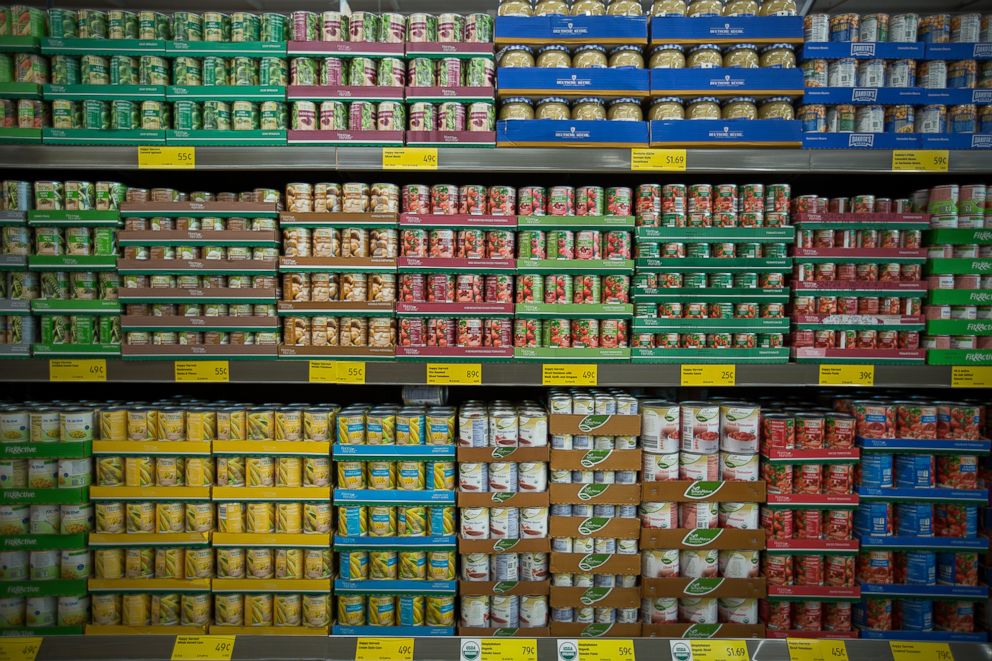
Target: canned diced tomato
957 471
951 520
777 569
839 571
878 614
777 477
876 567
777 615
807 615
956 616
837 617
875 419
808 569
839 431
838 524
916 420
778 524
808 479
838 479
959 568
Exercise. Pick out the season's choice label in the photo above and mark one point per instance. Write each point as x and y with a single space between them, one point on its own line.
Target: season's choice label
329 371
409 158
910 651
808 649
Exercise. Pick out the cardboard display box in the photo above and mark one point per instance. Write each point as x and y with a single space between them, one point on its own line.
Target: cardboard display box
596 563
722 539
689 491
607 460
488 455
504 499
579 630
562 597
518 588
597 494
496 546
596 527
751 588
597 425
704 630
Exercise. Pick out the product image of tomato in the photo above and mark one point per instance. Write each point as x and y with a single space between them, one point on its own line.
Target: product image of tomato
777 569
878 614
957 471
778 477
917 421
876 567
807 615
951 520
956 616
839 571
837 616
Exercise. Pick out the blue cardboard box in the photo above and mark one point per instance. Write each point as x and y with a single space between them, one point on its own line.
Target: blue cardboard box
572 82
569 133
980 51
915 471
727 29
730 133
861 141
914 519
573 29
865 50
876 470
727 81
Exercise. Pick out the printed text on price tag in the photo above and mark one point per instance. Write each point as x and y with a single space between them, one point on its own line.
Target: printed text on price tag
920 160
166 158
847 375
194 648
498 649
709 375
19 649
657 160
350 371
384 649
322 371
808 649
90 369
965 376
570 375
409 158
454 374
202 371
920 651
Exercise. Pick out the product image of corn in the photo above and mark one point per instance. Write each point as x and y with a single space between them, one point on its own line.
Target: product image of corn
440 611
316 471
287 610
289 472
170 517
351 610
316 613
258 610
412 565
140 517
229 609
289 563
235 471
317 563
383 565
260 425
412 521
110 471
169 563
289 518
165 609
259 471
288 425
316 518
195 609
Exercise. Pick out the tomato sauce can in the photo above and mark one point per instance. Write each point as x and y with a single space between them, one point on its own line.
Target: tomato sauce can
778 524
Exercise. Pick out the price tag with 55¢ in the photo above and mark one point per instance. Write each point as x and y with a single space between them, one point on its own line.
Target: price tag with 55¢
202 371
709 650
920 651
19 649
384 649
586 649
77 370
166 158
211 648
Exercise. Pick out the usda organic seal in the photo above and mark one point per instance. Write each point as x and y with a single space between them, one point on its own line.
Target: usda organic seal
681 651
471 651
568 650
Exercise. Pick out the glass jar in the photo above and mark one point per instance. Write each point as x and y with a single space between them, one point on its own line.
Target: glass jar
551 7
515 8
704 56
588 8
740 107
668 8
517 56
552 107
624 8
778 8
703 107
776 107
626 57
778 56
667 56
667 107
553 57
590 57
625 109
589 107
744 56
705 8
741 8
516 107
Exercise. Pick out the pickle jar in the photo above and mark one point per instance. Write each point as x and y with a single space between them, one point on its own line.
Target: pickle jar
703 107
625 109
704 56
590 57
668 8
744 56
624 8
517 56
704 8
514 8
553 57
667 56
741 8
740 107
778 8
626 57
589 107
551 8
517 107
776 107
552 107
588 8
667 107
778 56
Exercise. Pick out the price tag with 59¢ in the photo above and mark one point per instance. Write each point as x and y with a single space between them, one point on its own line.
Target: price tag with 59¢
409 158
966 376
454 374
212 648
920 160
920 651
709 650
19 649
202 371
569 375
384 649
847 375
166 158
657 160
592 649
498 649
77 370
709 375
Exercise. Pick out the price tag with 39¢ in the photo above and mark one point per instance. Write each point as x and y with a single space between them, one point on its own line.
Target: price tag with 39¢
920 651
847 375
211 648
384 649
94 369
19 649
498 649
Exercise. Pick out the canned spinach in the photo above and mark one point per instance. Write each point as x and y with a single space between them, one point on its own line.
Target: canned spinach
154 70
243 71
64 70
94 70
92 24
187 71
65 114
154 115
273 71
216 26
187 26
153 25
216 116
273 115
273 27
245 27
124 71
63 23
122 24
124 115
96 114
244 116
187 115
215 71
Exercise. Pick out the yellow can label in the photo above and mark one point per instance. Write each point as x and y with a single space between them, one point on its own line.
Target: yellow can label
287 610
317 425
259 517
260 425
139 471
288 425
108 563
383 565
382 610
229 609
110 517
136 610
199 517
140 517
289 518
351 610
169 563
259 471
195 609
230 563
258 610
316 613
317 518
169 517
106 608
110 471
199 563
316 471
258 563
139 563
113 425
230 517
172 425
142 425
289 472
165 610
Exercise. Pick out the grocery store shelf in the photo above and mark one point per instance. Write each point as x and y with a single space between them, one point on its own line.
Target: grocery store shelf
793 161
259 648
494 374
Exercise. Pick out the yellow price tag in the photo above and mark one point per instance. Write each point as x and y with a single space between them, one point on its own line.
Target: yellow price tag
166 158
657 160
709 375
351 372
920 160
719 650
202 371
833 650
323 371
384 649
454 374
570 375
605 650
90 369
213 648
971 377
920 651
498 649
19 649
847 375
807 649
409 158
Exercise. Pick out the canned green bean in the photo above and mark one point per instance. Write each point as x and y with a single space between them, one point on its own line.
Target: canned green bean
216 26
187 71
303 71
154 116
82 330
361 116
63 23
273 71
215 71
110 330
64 70
391 71
479 28
108 285
103 241
84 285
122 24
420 72
65 114
96 114
748 250
186 115
273 27
245 27
244 116
6 68
124 115
54 330
216 116
153 70
109 194
479 72
153 25
54 284
92 24
187 26
124 71
481 116
273 115
392 27
94 70
243 71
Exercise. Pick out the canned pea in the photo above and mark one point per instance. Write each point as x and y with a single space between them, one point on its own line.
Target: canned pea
186 115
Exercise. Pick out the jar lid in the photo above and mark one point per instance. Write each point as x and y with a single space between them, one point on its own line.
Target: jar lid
704 99
741 99
626 48
518 99
553 47
742 47
662 47
667 99
777 47
590 47
625 99
590 99
553 99
704 47
515 47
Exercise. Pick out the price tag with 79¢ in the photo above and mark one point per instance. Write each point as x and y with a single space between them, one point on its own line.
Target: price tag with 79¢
498 649
709 650
920 651
211 648
591 649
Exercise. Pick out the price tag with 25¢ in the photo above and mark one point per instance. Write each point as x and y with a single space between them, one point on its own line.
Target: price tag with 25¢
211 648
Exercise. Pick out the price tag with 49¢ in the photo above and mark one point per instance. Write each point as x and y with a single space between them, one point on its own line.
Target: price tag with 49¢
591 649
212 648
384 649
19 649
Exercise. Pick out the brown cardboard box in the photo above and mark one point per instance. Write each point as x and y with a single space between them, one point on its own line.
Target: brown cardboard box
689 491
602 460
504 499
596 597
579 630
723 539
704 630
489 455
495 546
595 494
518 588
596 563
597 526
503 632
595 425
752 588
